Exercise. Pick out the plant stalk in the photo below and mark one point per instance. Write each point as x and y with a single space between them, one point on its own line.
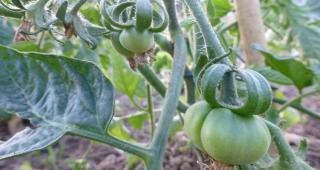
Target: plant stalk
156 83
159 141
150 110
288 158
298 107
296 99
214 49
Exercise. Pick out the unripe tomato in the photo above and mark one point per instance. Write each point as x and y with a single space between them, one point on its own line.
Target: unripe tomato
226 136
290 117
137 41
193 121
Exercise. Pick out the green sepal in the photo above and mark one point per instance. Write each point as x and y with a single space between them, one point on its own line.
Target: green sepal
143 14
105 11
82 32
18 4
119 9
161 22
258 90
62 10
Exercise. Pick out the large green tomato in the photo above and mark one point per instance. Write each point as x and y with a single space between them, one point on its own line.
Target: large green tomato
226 136
137 41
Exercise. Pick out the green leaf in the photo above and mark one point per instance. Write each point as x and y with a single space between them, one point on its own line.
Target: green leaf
25 46
29 140
118 129
304 19
137 120
222 7
58 95
125 79
300 74
273 75
211 12
163 60
87 54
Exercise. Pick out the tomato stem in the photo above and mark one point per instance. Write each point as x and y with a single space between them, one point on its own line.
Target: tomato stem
298 106
171 100
156 83
288 159
297 99
150 109
214 48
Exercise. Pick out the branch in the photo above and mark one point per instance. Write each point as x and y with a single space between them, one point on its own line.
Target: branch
297 106
288 158
156 83
296 99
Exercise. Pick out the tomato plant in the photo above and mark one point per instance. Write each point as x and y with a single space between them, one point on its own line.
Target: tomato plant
51 78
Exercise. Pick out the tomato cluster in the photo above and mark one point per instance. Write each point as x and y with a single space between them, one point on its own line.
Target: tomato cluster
230 133
133 25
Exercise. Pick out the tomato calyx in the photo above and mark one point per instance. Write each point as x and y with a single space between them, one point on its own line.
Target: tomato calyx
257 96
136 22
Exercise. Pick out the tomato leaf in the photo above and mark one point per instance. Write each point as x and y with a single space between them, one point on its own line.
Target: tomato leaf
222 7
304 19
217 9
273 75
300 74
125 79
137 120
58 95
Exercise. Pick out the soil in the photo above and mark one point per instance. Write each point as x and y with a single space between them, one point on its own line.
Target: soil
179 155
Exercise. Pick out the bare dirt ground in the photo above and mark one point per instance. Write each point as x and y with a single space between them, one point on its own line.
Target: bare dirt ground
102 157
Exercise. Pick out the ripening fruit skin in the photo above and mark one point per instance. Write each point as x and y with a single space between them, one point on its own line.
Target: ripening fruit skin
227 137
137 41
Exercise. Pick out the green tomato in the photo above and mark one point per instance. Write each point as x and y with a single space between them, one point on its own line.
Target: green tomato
137 41
226 136
193 121
290 116
118 47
